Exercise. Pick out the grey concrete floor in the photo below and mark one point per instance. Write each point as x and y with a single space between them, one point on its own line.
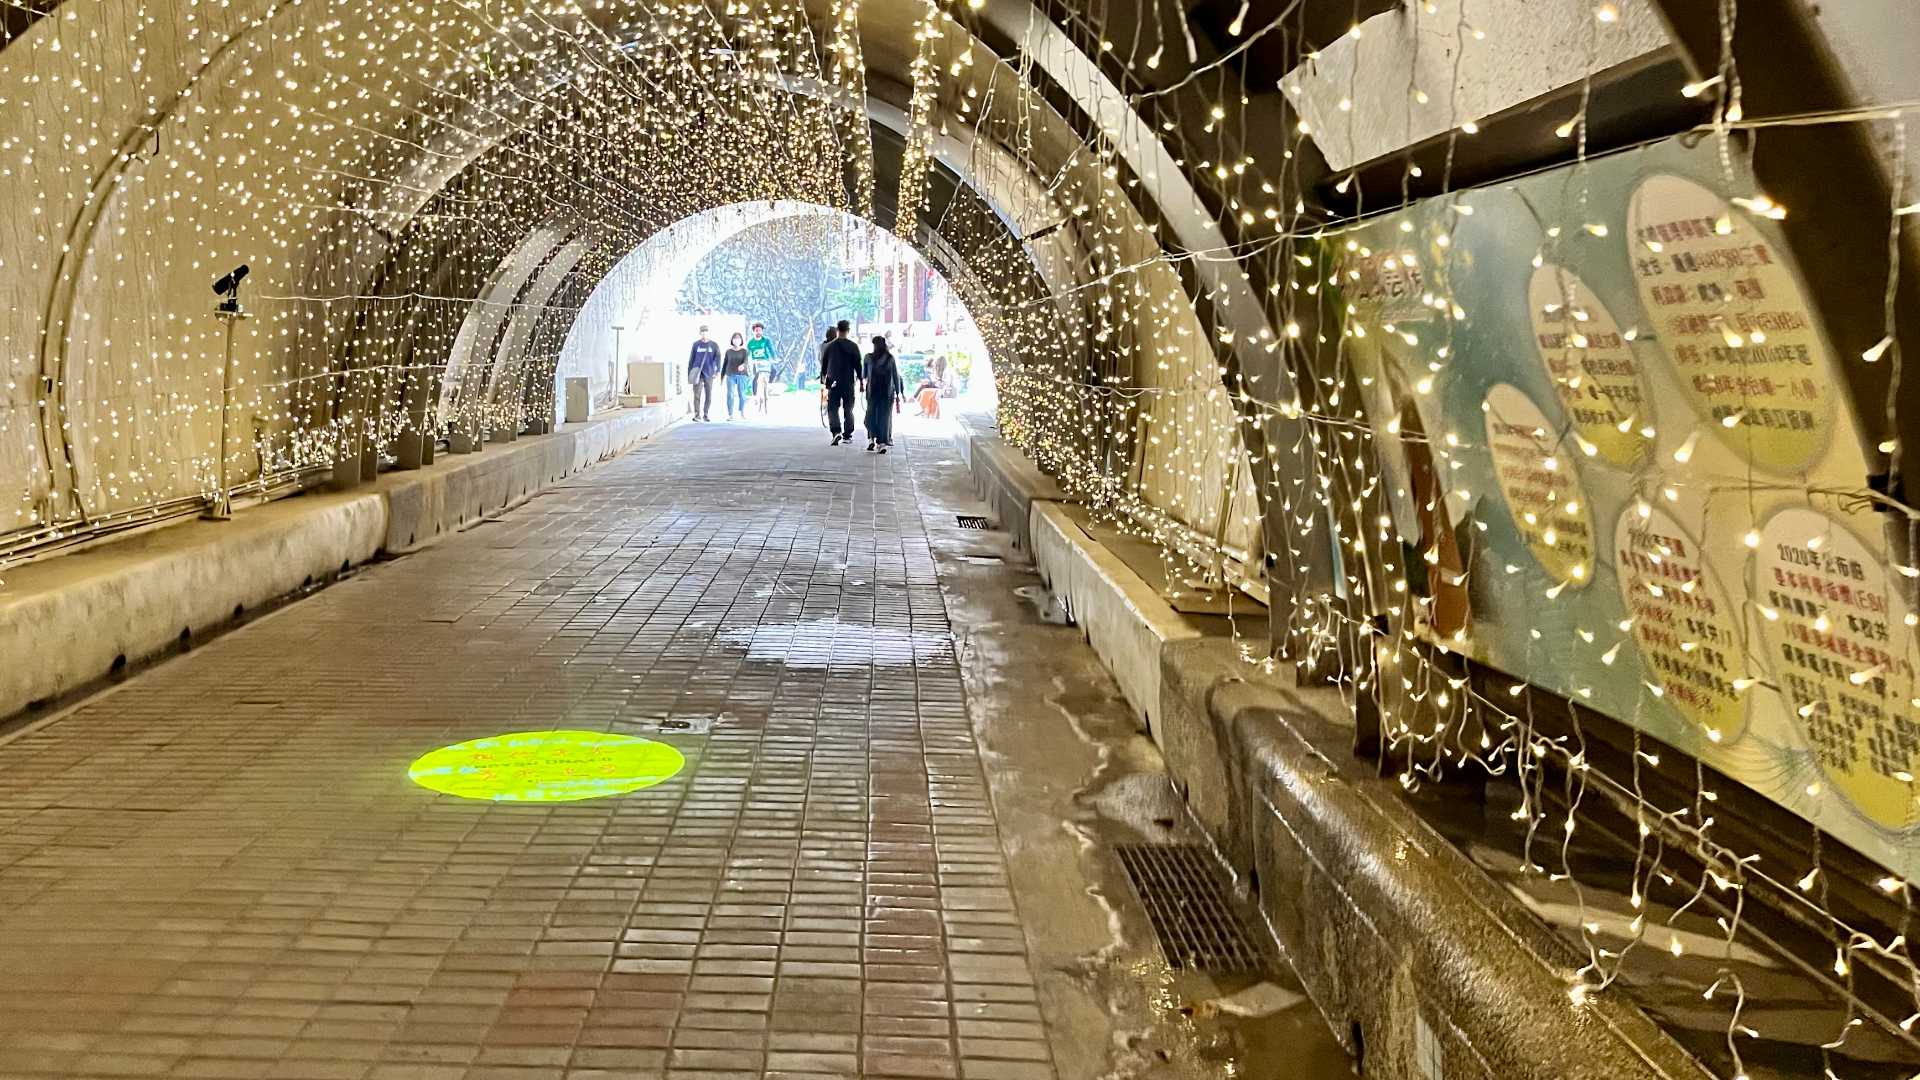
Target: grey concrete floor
888 854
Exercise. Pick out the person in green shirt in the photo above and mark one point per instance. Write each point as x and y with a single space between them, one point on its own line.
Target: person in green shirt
760 361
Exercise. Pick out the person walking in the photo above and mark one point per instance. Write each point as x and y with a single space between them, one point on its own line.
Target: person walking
760 359
703 367
840 374
733 369
884 391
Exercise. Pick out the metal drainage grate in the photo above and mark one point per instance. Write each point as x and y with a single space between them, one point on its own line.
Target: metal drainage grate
1187 903
973 521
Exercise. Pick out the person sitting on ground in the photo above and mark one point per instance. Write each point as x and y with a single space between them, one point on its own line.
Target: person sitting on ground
883 396
733 368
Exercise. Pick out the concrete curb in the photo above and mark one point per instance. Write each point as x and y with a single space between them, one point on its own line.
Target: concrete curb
1007 482
1409 949
1424 967
1120 615
69 620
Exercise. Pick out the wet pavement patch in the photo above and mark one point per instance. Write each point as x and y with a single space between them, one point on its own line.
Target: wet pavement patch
1051 607
824 642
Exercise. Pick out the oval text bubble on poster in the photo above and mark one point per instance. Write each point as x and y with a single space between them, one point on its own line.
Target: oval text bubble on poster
1845 658
1732 318
1687 631
1542 490
1592 366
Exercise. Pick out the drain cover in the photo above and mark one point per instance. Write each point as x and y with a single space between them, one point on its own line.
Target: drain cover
973 521
699 725
1180 885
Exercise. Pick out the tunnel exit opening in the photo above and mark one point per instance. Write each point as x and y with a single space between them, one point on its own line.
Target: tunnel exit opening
768 280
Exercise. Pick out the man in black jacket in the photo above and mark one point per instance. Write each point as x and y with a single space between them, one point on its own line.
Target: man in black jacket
840 374
703 370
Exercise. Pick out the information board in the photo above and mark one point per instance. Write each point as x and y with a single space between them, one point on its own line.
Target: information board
1632 407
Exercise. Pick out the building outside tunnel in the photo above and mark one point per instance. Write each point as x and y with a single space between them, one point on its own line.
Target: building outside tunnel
1424 585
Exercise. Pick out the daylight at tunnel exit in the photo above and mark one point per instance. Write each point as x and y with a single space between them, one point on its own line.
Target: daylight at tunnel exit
959 540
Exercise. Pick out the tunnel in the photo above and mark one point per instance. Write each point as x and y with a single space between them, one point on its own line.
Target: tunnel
1367 537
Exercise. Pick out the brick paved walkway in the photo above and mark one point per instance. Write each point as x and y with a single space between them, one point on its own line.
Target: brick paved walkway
221 869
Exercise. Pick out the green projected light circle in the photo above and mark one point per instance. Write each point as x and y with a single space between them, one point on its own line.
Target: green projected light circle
546 766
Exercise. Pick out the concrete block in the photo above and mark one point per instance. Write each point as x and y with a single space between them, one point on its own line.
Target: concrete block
1122 617
1009 483
66 621
579 400
650 379
1390 927
1195 747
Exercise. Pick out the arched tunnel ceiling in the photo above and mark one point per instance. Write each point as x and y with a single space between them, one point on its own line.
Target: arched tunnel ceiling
329 146
393 173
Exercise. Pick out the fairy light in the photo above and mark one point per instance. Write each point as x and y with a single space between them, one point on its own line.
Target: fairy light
928 30
1107 376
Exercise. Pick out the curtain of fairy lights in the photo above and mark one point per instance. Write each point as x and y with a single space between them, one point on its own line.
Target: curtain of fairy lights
1747 601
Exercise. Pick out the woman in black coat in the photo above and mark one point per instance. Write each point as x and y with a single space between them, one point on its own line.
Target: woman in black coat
884 391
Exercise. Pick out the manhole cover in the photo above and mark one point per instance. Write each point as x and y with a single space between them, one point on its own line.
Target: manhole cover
973 521
1180 885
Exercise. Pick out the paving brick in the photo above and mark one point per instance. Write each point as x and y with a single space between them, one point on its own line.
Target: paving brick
222 870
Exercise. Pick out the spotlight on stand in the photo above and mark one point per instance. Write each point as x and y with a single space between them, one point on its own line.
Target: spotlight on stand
228 289
220 503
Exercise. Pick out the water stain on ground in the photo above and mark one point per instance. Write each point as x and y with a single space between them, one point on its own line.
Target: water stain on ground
827 642
1254 1025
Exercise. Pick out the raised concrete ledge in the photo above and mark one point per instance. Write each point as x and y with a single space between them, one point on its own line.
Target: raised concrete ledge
1404 944
1390 928
461 489
1121 616
969 426
1007 481
68 620
71 619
